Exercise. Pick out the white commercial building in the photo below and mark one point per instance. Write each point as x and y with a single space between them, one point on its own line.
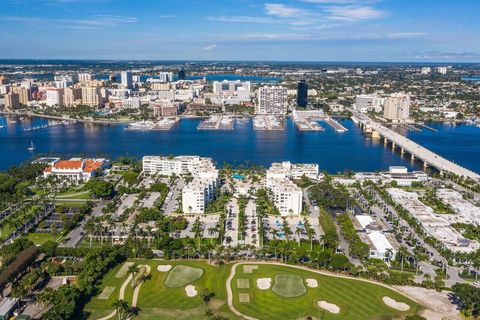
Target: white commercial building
426 70
272 100
442 70
397 107
435 225
54 97
131 103
201 190
367 102
381 247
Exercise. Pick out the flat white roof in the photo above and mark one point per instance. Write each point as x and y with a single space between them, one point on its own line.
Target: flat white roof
380 241
364 220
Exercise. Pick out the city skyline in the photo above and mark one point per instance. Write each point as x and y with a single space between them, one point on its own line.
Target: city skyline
294 30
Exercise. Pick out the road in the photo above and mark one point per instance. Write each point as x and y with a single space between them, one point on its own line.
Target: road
231 229
76 234
177 190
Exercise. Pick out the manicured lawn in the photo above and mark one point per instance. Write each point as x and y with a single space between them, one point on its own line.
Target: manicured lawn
157 301
96 307
41 238
357 300
181 275
74 194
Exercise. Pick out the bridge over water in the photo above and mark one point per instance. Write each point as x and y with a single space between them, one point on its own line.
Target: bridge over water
417 151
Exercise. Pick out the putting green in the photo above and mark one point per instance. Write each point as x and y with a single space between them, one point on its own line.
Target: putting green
289 286
182 275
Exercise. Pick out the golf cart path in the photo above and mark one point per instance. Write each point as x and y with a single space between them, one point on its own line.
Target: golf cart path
234 268
121 294
137 288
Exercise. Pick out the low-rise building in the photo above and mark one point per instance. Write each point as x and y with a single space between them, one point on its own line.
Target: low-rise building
380 246
291 171
76 169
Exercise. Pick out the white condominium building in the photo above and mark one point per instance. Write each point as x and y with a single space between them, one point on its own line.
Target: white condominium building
201 190
397 107
291 171
367 102
287 196
84 77
165 76
272 100
54 97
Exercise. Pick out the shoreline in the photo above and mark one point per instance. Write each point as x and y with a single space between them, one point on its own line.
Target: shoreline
32 114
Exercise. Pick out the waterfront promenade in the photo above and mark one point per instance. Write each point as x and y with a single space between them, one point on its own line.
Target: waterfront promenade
397 140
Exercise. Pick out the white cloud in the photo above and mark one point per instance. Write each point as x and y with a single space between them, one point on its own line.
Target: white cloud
353 13
243 19
210 47
283 11
167 16
96 23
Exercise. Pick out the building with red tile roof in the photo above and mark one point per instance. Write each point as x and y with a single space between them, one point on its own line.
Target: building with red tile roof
76 169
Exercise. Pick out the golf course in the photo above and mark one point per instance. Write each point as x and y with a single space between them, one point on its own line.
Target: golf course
173 290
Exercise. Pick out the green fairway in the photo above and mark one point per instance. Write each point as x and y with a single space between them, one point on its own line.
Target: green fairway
357 299
98 306
181 275
157 301
40 238
289 286
287 298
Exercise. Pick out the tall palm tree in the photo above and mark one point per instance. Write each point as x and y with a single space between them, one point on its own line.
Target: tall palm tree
298 233
133 270
120 306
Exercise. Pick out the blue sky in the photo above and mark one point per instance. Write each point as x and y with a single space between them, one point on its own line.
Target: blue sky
293 30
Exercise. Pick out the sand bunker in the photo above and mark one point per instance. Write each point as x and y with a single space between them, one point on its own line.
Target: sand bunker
164 267
264 283
330 307
395 304
312 283
191 291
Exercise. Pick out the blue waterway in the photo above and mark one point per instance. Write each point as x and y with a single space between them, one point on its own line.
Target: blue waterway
333 151
470 78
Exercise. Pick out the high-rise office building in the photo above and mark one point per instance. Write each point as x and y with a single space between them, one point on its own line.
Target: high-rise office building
91 96
72 97
302 93
182 74
23 94
11 101
127 79
272 100
442 70
397 107
165 76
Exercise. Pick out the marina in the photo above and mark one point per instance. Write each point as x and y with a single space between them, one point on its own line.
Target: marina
334 152
335 125
217 122
49 125
268 122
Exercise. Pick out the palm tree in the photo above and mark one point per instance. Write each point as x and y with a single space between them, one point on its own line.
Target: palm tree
133 270
120 306
274 233
298 233
310 235
90 228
